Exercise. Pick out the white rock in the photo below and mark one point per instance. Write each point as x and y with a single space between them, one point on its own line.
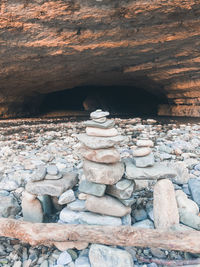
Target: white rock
101 255
141 152
185 203
144 143
64 258
66 197
101 132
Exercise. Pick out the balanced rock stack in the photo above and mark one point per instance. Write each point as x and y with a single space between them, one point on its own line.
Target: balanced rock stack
142 155
102 190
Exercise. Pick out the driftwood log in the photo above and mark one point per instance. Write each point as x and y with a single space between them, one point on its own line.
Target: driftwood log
48 234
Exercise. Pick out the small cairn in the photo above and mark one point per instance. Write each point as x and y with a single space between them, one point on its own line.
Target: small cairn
142 155
102 189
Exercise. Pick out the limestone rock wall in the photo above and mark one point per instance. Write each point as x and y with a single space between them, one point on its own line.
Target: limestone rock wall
50 45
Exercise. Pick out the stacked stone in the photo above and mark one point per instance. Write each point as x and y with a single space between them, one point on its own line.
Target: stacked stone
102 188
142 155
41 194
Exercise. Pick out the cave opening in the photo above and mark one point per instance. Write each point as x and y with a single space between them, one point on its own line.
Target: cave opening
123 100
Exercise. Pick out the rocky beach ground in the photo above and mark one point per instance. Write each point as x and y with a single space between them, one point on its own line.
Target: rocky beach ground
26 144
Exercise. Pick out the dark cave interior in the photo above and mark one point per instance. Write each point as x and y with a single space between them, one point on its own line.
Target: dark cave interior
116 99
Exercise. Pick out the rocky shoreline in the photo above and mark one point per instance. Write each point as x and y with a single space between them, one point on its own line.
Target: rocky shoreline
25 145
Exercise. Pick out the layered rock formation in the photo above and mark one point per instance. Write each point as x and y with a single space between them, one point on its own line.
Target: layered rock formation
52 45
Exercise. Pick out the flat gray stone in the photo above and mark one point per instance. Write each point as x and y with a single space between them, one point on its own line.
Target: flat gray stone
77 205
52 169
53 177
53 187
91 188
97 114
158 171
126 193
143 162
95 142
105 125
101 255
107 206
194 187
103 173
73 217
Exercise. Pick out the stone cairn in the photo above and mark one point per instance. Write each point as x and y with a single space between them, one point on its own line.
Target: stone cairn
104 195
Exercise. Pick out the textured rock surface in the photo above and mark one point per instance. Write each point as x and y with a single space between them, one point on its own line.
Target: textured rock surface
107 206
103 173
164 205
54 45
52 187
110 257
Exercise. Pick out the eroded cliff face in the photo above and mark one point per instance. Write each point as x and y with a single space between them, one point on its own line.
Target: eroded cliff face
49 45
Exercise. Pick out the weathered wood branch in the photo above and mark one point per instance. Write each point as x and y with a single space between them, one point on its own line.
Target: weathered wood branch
48 234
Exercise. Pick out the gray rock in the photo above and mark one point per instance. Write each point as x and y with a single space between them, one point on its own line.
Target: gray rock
78 205
103 173
147 224
52 170
90 218
97 114
9 206
123 184
8 185
101 255
194 187
82 261
190 219
53 187
126 220
146 161
94 142
39 174
107 206
184 202
139 214
64 258
53 177
66 197
182 173
114 190
128 202
91 188
158 171
105 125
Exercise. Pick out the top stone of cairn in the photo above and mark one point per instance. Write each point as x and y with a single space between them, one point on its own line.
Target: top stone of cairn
99 115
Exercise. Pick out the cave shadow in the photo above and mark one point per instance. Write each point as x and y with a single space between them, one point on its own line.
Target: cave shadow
116 99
